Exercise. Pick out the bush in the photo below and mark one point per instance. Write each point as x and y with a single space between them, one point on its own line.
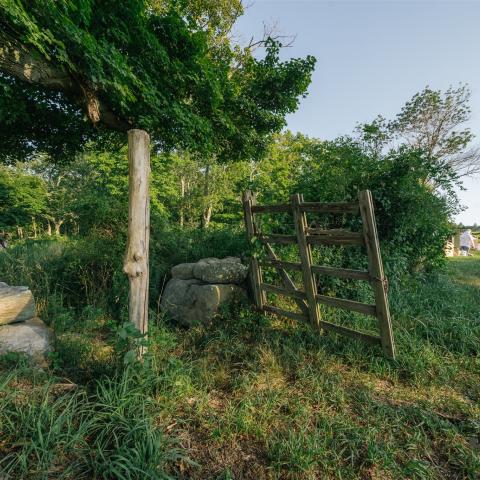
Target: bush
413 193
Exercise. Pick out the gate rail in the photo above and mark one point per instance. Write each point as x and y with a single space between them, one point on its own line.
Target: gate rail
305 237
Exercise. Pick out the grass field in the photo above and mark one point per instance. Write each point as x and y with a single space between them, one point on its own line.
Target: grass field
256 397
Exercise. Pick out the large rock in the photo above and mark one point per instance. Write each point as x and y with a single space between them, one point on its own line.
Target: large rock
16 304
198 291
191 302
226 270
32 337
183 271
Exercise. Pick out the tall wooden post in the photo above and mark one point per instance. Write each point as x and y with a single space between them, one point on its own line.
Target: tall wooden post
136 257
375 269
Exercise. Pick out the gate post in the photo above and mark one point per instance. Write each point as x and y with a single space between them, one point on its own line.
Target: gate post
375 269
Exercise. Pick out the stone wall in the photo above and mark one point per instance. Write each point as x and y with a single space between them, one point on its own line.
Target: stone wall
197 292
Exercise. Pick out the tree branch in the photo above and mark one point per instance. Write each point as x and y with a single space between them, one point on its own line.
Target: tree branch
28 65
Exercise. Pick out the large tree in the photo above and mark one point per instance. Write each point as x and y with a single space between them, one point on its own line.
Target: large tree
434 122
77 70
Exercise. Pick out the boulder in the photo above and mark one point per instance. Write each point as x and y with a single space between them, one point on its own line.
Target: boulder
198 291
183 271
226 270
16 304
191 302
32 337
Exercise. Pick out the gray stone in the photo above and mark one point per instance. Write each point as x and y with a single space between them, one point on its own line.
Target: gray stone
16 304
32 337
192 302
183 271
226 270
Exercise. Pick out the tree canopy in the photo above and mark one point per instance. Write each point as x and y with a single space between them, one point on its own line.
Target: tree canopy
137 64
432 121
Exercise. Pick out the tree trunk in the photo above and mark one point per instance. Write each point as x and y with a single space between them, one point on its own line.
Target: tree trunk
49 228
207 212
19 232
136 257
207 215
57 227
34 227
182 195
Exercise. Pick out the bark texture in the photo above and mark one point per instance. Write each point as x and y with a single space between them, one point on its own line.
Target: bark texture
136 258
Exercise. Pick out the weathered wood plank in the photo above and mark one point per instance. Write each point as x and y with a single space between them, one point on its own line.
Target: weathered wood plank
341 272
333 207
319 207
375 268
286 280
271 208
282 291
281 264
334 237
277 238
366 337
310 286
351 305
136 262
286 313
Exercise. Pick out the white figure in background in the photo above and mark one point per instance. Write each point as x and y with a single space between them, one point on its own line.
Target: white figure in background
466 242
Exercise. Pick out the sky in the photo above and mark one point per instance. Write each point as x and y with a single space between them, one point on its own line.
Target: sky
372 57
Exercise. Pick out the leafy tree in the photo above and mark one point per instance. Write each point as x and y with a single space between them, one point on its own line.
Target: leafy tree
216 17
23 199
432 121
125 65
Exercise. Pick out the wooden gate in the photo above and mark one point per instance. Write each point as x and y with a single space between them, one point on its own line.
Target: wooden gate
308 300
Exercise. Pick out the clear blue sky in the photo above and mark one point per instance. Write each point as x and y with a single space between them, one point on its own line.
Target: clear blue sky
372 56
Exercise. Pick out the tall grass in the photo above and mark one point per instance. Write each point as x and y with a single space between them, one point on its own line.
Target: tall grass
108 433
252 396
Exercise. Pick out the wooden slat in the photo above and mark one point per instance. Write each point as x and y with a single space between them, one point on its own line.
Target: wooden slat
375 268
333 207
286 313
366 337
286 280
277 238
341 272
335 237
305 250
281 264
337 232
347 304
271 208
282 291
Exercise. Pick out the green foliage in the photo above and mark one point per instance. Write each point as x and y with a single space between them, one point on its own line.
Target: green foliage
155 72
33 120
23 197
434 122
399 180
431 118
296 401
105 434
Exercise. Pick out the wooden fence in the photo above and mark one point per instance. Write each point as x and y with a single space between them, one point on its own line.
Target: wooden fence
308 300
